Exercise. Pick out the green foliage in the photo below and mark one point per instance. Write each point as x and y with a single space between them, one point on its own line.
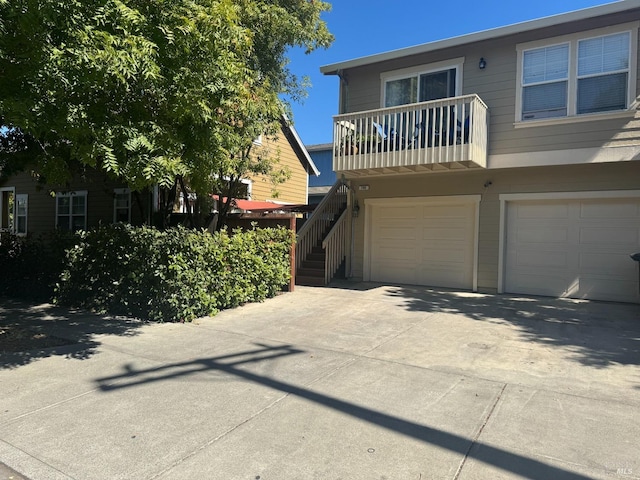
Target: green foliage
148 91
175 275
31 266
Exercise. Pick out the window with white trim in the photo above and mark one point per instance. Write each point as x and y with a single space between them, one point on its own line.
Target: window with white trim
422 84
545 82
21 206
583 74
71 210
121 205
603 73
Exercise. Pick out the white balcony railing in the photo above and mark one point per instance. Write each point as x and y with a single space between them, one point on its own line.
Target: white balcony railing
416 137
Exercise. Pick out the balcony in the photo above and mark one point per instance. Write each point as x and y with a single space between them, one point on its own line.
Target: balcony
445 134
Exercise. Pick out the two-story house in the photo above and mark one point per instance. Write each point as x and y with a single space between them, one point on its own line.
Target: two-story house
500 161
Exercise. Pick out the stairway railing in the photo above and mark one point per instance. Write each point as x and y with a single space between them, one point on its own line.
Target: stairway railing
318 223
335 247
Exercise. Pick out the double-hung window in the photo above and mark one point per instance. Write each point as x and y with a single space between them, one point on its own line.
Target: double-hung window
603 73
577 75
22 202
71 210
122 205
545 82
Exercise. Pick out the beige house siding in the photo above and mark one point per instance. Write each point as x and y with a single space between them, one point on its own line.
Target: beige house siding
41 210
294 190
497 86
569 178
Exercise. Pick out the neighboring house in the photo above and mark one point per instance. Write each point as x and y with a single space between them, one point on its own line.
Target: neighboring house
28 208
293 156
500 161
322 156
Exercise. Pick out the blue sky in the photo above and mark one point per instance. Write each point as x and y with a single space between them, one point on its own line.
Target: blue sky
366 27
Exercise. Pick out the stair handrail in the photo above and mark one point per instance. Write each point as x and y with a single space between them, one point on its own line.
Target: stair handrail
311 232
334 244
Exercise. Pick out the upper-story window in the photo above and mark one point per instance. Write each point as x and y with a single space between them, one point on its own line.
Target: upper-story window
603 73
545 82
582 74
422 84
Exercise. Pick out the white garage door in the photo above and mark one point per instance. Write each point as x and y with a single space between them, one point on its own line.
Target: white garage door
423 242
573 248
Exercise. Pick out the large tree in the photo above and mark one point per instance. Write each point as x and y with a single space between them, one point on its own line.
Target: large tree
150 91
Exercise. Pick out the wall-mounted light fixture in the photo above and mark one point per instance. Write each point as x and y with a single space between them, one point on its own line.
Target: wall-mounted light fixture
355 209
482 64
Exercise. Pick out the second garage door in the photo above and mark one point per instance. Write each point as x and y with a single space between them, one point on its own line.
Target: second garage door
422 241
575 248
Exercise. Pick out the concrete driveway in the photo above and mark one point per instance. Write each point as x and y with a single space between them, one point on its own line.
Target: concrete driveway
360 381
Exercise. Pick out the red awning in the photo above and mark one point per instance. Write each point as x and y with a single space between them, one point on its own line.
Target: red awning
254 206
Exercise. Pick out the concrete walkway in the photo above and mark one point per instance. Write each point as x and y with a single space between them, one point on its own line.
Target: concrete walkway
359 383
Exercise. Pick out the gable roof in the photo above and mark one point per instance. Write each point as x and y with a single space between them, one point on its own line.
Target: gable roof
609 8
298 147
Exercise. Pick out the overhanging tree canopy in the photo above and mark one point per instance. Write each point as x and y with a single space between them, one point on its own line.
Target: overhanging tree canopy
148 91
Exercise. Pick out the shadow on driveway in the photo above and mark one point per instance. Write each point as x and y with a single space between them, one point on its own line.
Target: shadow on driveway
514 463
53 331
599 334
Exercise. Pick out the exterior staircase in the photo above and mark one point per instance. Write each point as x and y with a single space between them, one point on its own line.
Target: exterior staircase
322 241
311 272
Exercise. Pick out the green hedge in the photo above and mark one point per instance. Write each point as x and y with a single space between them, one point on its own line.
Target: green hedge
173 275
30 266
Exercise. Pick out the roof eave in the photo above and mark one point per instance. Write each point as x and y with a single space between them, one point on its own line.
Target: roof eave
298 146
577 15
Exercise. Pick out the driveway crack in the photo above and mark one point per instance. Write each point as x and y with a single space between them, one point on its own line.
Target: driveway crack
479 432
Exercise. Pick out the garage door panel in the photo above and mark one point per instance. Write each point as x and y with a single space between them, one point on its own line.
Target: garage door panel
396 272
448 256
451 234
540 234
396 252
614 290
443 276
541 210
586 257
551 285
396 213
432 246
449 213
608 264
611 209
607 235
399 234
548 259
